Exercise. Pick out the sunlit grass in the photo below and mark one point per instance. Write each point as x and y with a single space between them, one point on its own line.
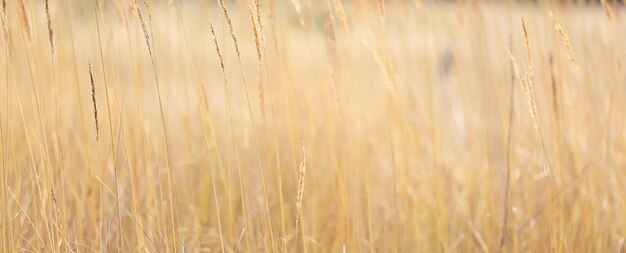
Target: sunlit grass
312 126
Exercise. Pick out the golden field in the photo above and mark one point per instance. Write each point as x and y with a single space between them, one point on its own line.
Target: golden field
312 126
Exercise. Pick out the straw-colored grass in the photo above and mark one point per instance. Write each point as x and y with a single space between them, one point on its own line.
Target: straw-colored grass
312 126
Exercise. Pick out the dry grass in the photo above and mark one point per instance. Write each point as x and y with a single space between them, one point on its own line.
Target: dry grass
427 127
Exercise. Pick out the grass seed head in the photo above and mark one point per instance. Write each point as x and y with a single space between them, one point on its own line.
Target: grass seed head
93 99
50 31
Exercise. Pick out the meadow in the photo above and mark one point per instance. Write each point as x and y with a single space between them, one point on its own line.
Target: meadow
312 126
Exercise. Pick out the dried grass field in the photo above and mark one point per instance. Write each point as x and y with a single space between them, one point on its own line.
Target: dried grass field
312 126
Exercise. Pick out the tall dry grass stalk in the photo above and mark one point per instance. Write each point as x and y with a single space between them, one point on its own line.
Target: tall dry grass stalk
97 127
172 207
263 53
528 87
231 30
269 223
61 227
300 194
120 238
504 234
6 236
220 56
420 140
47 182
